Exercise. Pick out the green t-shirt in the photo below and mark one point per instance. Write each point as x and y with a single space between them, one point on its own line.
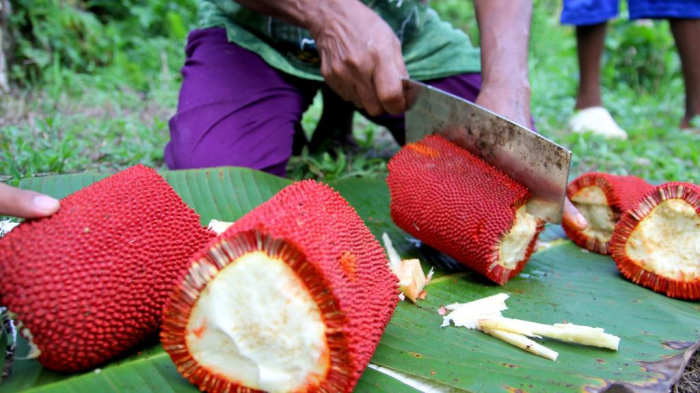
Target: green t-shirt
431 48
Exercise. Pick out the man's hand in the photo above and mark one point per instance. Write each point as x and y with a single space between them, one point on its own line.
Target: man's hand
361 58
360 54
25 204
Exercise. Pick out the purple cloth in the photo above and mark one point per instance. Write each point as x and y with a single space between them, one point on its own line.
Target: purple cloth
236 110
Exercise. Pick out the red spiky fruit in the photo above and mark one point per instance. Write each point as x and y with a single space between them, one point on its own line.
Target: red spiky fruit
602 199
90 281
294 296
460 205
656 244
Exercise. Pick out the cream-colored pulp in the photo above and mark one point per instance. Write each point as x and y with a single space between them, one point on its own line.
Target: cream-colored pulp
667 241
256 323
514 244
593 204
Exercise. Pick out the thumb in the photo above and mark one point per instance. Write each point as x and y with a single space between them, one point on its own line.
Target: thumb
25 204
573 217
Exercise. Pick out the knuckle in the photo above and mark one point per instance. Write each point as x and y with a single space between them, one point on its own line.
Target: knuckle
391 97
374 109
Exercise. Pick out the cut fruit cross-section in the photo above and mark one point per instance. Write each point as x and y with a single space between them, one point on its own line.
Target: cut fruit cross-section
292 297
657 244
602 198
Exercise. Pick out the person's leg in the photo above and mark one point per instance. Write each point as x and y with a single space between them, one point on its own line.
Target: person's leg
334 128
686 32
684 17
234 109
590 18
590 40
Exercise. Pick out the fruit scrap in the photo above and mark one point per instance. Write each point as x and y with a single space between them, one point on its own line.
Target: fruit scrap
485 315
218 227
602 199
90 282
657 243
294 296
462 206
412 280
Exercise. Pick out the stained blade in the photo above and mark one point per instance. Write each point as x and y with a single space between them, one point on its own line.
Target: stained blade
533 160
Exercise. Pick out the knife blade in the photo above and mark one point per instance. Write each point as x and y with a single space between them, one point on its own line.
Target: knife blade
533 160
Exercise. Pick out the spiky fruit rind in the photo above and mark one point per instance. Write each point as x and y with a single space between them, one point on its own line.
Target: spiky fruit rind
634 271
456 203
321 237
621 192
90 281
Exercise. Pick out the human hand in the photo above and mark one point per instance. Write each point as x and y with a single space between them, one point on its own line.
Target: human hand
572 217
25 204
361 57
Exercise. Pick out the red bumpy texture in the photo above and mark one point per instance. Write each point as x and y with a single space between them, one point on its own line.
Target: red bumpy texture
321 237
680 289
622 193
456 203
90 281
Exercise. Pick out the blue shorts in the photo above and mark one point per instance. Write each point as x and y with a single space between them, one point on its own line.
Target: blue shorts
592 12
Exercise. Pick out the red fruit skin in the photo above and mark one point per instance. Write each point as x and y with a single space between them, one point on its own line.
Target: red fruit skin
622 193
90 281
456 203
321 237
689 290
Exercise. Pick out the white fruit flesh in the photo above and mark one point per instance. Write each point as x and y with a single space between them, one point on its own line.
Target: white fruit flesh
514 245
219 227
523 342
667 241
593 204
569 332
257 324
411 278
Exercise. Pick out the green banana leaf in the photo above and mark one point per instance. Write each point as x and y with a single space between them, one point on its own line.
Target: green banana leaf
561 283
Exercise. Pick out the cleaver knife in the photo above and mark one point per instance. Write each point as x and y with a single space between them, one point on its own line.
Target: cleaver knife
531 159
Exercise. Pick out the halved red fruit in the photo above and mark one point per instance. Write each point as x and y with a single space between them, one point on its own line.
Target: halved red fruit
602 199
657 243
293 297
462 206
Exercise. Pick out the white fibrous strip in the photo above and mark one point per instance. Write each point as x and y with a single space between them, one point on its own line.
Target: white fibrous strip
219 227
412 280
568 332
394 258
6 226
468 314
522 342
485 315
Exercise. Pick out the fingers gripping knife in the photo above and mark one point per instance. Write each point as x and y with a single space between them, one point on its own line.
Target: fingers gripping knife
536 162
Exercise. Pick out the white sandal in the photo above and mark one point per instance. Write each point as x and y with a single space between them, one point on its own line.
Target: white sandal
598 121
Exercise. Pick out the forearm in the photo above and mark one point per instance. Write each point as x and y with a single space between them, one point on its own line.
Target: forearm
504 29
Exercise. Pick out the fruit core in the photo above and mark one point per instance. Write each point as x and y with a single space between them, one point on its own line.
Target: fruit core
515 243
256 323
593 204
667 241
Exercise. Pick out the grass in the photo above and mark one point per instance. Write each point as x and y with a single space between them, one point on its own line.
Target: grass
109 117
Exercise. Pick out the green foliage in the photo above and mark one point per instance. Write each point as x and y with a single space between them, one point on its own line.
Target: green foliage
641 55
329 167
83 36
461 14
